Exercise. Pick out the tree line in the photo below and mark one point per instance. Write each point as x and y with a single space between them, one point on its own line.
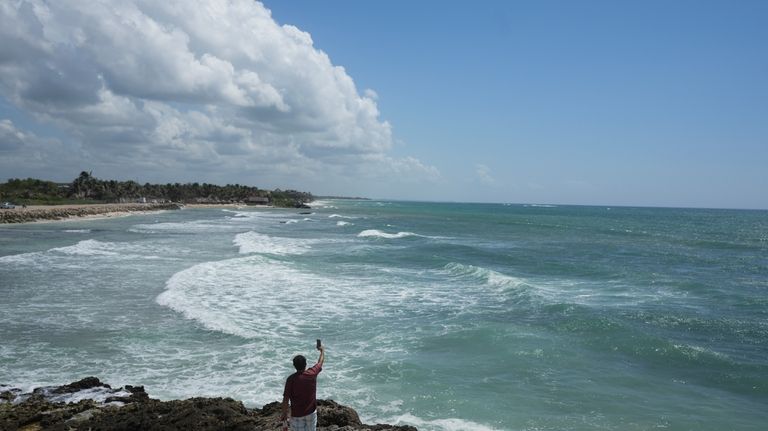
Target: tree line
88 189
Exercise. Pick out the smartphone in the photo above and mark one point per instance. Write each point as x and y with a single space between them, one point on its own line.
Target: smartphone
318 343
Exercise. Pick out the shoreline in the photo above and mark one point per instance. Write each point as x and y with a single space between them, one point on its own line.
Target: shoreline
51 213
91 404
74 212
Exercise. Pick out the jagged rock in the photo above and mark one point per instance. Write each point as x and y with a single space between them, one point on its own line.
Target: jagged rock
336 414
140 412
86 383
20 215
8 394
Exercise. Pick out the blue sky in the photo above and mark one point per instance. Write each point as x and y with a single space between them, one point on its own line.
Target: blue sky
594 102
649 103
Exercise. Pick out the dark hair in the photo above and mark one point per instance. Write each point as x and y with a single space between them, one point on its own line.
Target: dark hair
300 363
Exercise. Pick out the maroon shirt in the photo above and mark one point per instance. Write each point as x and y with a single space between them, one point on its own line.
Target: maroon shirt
301 389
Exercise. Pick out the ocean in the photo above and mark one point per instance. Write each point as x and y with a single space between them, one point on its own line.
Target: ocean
445 316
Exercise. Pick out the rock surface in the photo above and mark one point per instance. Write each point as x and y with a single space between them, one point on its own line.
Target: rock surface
26 215
131 408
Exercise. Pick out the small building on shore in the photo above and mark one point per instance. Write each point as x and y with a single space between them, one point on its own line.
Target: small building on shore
257 200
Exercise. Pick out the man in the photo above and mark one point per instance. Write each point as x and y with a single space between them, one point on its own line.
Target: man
301 391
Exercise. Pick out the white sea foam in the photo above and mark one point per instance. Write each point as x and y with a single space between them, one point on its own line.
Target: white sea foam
183 227
540 205
554 290
253 242
343 223
72 255
251 297
21 258
98 394
77 230
89 247
280 305
450 424
379 234
340 216
695 352
322 204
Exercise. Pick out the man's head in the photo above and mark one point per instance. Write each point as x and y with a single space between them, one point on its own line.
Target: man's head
300 363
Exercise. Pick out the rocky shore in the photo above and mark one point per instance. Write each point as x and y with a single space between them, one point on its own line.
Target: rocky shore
89 404
55 212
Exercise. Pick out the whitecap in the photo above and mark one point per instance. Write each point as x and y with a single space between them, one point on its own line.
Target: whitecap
89 247
379 234
340 216
343 223
488 276
696 352
77 230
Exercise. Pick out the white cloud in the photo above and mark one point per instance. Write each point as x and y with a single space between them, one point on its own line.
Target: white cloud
483 173
11 139
164 86
18 147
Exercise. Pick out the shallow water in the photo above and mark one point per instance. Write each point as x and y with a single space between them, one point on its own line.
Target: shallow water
444 316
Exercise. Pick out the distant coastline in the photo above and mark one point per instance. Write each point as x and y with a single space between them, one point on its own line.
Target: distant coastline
87 189
351 198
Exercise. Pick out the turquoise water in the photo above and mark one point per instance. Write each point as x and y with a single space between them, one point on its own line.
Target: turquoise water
444 316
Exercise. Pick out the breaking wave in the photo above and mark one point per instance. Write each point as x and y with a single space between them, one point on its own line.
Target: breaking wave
340 216
375 233
485 275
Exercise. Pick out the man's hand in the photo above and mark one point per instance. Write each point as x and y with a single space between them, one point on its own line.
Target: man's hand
284 414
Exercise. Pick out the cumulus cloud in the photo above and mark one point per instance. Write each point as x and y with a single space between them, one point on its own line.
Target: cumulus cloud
209 84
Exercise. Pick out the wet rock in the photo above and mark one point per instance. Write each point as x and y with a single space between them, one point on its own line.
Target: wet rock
86 383
8 394
332 413
139 412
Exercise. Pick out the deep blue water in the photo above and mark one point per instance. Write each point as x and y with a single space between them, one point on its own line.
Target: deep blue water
444 316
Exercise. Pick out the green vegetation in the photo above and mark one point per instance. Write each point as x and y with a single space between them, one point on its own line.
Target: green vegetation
88 189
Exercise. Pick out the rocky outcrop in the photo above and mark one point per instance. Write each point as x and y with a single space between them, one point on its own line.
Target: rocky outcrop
131 408
26 215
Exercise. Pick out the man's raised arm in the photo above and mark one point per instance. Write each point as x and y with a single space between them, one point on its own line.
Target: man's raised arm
321 359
